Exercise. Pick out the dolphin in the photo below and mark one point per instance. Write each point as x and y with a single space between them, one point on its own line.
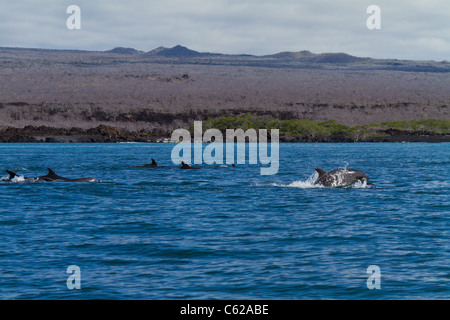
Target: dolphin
184 165
153 164
51 176
12 175
340 177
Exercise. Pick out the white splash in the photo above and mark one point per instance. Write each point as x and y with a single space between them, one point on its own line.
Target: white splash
306 184
360 184
18 179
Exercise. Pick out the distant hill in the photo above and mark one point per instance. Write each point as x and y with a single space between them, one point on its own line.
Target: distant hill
279 60
122 50
292 55
156 51
336 58
308 56
177 51
183 55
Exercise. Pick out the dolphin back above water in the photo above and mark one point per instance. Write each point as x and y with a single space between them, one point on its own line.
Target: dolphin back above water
12 175
340 177
51 176
153 164
185 165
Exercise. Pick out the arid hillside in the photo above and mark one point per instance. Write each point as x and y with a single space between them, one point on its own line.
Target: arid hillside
165 89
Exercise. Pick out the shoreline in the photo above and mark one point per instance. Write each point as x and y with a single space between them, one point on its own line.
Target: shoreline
105 134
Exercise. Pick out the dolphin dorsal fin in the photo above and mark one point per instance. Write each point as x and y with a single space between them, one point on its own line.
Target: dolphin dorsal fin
154 162
11 174
51 173
321 172
184 165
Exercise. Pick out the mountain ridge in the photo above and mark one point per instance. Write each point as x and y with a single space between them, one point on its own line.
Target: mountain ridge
183 55
183 51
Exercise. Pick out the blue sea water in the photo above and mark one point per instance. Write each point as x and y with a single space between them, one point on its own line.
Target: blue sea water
224 232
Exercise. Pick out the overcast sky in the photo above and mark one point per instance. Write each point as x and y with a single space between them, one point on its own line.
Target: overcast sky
414 29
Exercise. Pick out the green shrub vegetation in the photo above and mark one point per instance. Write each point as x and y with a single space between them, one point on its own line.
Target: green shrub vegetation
431 125
324 129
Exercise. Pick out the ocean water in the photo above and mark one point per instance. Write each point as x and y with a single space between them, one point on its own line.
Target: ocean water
224 232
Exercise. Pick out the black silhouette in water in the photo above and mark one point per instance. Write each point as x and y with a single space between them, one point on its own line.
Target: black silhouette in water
184 165
152 165
51 176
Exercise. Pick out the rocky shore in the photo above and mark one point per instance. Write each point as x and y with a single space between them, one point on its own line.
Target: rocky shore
106 134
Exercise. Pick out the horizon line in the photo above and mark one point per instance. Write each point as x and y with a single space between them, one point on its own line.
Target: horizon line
207 52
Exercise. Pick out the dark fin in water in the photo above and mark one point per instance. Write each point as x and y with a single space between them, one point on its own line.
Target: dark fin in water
184 165
52 174
11 174
321 172
154 163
